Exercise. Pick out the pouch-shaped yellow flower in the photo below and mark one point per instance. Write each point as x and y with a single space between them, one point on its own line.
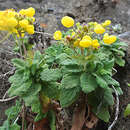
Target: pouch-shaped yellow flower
57 35
30 29
23 23
99 29
67 21
95 44
85 43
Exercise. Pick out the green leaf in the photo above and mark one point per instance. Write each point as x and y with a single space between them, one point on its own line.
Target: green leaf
119 52
6 126
100 80
110 80
102 113
72 69
87 83
60 58
18 90
37 57
34 69
108 97
19 63
70 81
51 75
34 102
13 111
14 127
31 97
68 96
69 62
51 90
119 61
119 90
119 44
127 111
108 66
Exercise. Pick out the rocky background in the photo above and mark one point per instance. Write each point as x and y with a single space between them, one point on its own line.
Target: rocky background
49 13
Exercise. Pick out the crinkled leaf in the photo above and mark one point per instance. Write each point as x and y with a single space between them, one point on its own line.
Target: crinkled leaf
19 63
119 44
17 90
37 57
69 62
102 113
50 75
108 97
87 83
68 96
119 52
60 58
101 82
110 80
119 90
108 66
51 90
31 98
71 69
119 61
70 81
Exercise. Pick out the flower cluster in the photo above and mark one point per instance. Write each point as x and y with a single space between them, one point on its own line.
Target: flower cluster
90 35
17 22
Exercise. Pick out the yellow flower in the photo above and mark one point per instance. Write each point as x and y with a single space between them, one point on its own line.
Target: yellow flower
95 44
12 22
23 23
57 35
99 29
112 39
109 39
12 13
22 12
1 23
85 43
76 43
30 12
106 38
106 23
22 34
67 21
86 37
30 29
14 31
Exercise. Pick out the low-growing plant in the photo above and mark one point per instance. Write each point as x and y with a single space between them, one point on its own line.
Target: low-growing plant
80 66
89 68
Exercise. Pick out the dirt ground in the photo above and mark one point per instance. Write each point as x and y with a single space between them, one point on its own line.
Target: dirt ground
50 12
